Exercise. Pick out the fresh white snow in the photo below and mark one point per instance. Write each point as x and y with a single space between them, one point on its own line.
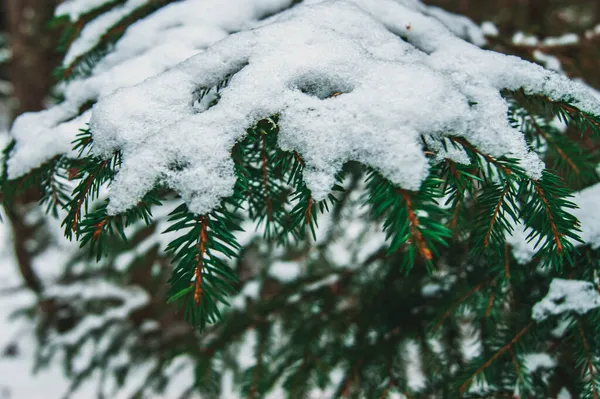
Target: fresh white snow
93 31
76 8
588 214
566 296
522 249
536 361
489 29
148 48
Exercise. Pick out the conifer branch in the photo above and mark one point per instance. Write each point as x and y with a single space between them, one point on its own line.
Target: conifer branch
416 234
589 361
557 236
87 184
506 171
308 212
555 146
486 197
575 114
518 370
486 239
111 35
496 355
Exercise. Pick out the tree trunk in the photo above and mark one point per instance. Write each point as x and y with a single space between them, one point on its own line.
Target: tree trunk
30 71
32 46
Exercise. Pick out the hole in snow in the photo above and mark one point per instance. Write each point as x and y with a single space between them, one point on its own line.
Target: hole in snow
322 87
559 301
207 97
204 98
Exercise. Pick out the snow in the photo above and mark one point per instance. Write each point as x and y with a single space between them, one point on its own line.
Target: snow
522 249
489 29
290 67
36 147
92 32
522 39
566 296
592 33
284 271
588 215
16 372
587 201
549 61
148 48
76 8
414 373
564 394
431 289
130 298
536 361
251 291
564 40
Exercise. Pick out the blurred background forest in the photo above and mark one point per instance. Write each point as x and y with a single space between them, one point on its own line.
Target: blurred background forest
559 34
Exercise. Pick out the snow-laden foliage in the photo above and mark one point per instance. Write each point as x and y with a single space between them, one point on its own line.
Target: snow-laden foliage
345 197
345 87
352 92
148 47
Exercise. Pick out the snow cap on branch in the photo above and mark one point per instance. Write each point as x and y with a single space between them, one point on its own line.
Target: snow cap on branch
149 47
345 87
350 80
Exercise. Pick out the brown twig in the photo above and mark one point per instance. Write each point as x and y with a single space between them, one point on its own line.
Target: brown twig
415 229
200 258
265 172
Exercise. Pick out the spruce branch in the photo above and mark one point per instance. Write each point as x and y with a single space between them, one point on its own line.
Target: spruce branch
97 227
201 278
258 158
545 210
496 355
566 155
403 225
93 173
459 185
490 167
564 110
591 385
72 29
498 213
82 66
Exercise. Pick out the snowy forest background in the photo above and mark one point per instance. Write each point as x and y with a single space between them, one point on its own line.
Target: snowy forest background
27 59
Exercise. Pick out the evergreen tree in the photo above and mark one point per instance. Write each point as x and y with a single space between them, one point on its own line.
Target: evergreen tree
349 198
